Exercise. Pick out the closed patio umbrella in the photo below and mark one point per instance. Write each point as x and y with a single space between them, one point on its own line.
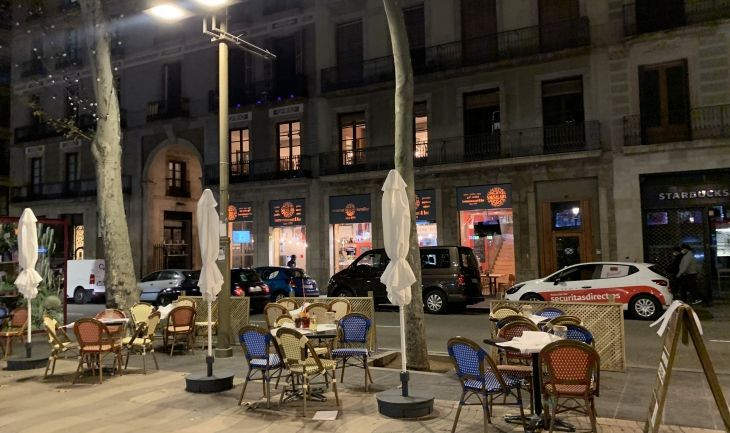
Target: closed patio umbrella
28 279
398 276
211 279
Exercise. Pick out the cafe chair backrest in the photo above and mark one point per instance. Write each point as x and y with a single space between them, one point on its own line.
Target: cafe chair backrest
153 320
91 333
511 319
318 310
288 303
550 312
185 303
502 312
255 342
515 329
340 307
19 318
353 328
182 316
140 312
110 313
570 362
473 364
272 312
284 321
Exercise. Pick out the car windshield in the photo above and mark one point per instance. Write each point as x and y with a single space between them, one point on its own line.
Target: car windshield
248 276
299 273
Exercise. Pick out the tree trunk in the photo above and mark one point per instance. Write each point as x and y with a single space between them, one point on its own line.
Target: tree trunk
107 150
416 350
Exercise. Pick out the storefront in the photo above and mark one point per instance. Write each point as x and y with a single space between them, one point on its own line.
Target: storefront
240 231
689 208
426 218
287 233
485 220
350 229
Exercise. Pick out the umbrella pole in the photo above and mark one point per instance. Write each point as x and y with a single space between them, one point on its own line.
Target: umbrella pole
27 344
404 369
209 358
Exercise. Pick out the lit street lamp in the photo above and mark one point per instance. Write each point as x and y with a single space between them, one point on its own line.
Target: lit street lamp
174 11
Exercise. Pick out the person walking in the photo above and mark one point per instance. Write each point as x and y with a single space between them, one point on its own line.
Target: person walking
673 270
292 263
687 277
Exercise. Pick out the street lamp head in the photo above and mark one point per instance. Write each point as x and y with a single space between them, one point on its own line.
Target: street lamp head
213 3
169 12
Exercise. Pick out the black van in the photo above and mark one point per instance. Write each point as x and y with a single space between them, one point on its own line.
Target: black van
450 276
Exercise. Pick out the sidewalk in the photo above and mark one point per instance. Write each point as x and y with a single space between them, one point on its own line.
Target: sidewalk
157 402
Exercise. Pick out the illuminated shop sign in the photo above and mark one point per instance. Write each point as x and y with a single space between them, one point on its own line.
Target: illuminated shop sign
346 209
484 197
288 212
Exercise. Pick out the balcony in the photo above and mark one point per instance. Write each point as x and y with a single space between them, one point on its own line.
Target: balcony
39 131
61 190
704 123
262 92
548 140
32 68
690 12
177 188
510 44
161 110
263 169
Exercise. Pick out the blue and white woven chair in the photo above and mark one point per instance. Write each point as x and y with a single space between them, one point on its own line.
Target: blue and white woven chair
256 342
578 333
550 312
351 343
480 378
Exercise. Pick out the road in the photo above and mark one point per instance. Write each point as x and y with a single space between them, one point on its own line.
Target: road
642 343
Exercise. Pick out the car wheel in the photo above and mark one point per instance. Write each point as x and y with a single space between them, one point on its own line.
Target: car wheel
531 297
279 296
435 302
80 296
345 293
645 307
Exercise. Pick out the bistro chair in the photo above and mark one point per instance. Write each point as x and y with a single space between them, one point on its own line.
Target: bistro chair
288 303
341 308
502 312
284 321
256 343
181 323
318 310
550 312
510 331
577 333
480 378
507 320
304 364
351 342
571 372
112 313
95 343
58 340
272 312
561 320
140 312
142 341
15 328
185 302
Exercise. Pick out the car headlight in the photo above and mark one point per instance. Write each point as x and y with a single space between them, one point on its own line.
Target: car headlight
512 290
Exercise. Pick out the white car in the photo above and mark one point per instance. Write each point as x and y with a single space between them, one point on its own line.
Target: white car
154 283
642 290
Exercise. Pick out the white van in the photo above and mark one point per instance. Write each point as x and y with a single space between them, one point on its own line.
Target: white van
85 280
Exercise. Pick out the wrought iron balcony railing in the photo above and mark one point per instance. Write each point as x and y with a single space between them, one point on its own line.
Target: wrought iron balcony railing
498 46
263 169
61 190
702 123
690 12
170 109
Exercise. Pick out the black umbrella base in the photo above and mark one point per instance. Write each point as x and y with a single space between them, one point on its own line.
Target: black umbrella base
201 383
26 363
391 403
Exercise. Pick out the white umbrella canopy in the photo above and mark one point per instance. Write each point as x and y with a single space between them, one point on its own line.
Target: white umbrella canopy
398 276
211 279
28 279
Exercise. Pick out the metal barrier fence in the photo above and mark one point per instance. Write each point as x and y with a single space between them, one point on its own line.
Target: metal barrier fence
363 305
240 313
604 320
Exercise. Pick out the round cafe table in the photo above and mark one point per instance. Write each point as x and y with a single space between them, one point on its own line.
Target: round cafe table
536 422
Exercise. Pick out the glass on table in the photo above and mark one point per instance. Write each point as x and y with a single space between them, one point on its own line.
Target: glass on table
560 331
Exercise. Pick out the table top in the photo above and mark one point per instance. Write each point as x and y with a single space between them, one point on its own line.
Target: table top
324 330
108 321
530 342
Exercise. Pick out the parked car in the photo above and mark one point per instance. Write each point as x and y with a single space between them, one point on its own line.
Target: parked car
282 281
246 282
163 287
640 287
450 277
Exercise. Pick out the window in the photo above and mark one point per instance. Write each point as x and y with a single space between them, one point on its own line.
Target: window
290 148
566 215
353 138
374 260
478 31
177 185
151 277
168 275
416 31
72 167
562 113
348 42
240 152
172 86
617 271
648 20
481 123
36 175
420 129
580 273
558 23
664 102
435 259
247 276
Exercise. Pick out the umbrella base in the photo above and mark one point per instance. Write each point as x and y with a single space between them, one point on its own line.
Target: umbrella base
391 403
201 383
26 363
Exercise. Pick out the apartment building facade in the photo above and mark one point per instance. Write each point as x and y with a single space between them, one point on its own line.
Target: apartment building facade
547 132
